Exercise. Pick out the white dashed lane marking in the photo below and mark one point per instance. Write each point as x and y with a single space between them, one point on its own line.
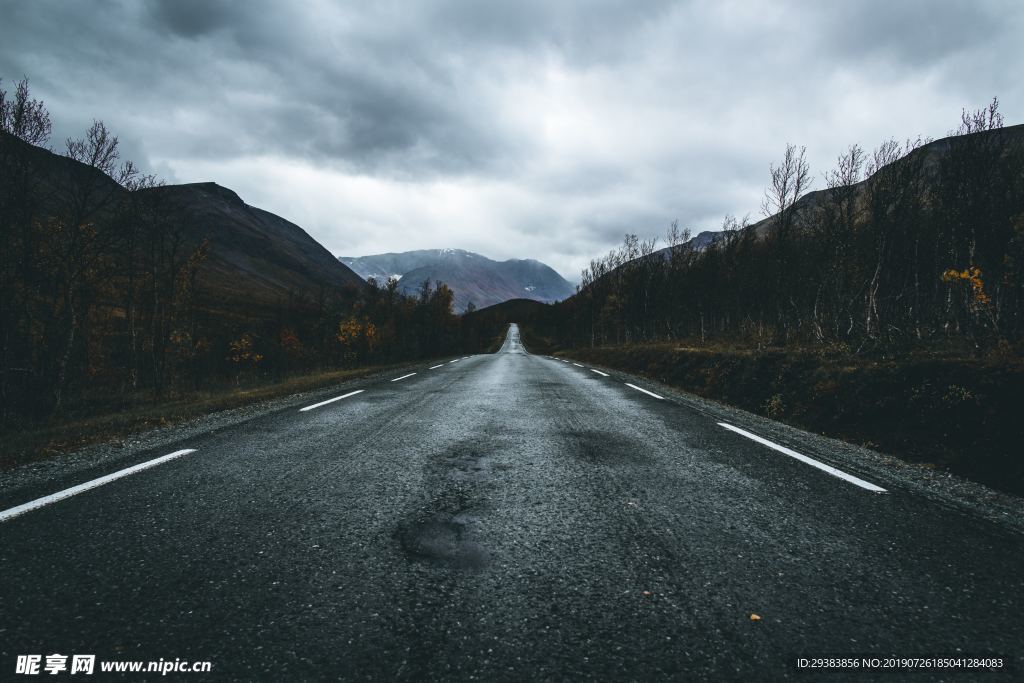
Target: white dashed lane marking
804 459
649 393
100 481
330 400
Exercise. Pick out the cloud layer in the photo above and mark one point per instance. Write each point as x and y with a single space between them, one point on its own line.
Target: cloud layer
533 129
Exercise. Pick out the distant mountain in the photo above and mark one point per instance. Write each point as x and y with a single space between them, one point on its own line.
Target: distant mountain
473 278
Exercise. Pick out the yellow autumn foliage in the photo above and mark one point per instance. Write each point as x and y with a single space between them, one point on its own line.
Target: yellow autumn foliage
242 351
353 332
970 276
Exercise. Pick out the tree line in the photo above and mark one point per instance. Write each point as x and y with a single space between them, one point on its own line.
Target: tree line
912 244
103 302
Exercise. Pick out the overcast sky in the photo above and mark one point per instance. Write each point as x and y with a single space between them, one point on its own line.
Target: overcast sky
518 129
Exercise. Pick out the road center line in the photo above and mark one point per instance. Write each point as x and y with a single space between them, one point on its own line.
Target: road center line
330 400
454 361
577 365
435 367
804 459
403 377
67 493
649 393
603 374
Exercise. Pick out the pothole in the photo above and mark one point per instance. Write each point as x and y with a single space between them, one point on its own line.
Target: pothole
442 539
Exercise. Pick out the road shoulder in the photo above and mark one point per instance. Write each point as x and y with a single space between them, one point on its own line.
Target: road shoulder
944 488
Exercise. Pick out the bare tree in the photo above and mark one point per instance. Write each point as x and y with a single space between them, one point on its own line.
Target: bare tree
987 118
80 249
833 228
790 181
24 117
24 121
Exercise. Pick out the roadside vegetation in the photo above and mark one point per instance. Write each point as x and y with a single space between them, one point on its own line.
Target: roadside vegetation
103 315
886 309
911 246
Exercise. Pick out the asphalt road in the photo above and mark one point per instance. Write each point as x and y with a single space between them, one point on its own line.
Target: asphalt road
504 516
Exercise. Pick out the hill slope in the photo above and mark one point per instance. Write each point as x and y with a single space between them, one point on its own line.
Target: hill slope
255 256
929 157
473 278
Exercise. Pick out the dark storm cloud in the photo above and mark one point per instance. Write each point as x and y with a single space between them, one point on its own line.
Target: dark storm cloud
191 18
530 128
392 86
261 78
908 32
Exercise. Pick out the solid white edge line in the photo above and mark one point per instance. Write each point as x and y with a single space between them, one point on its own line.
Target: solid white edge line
603 374
331 400
403 376
435 367
804 459
649 393
100 481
